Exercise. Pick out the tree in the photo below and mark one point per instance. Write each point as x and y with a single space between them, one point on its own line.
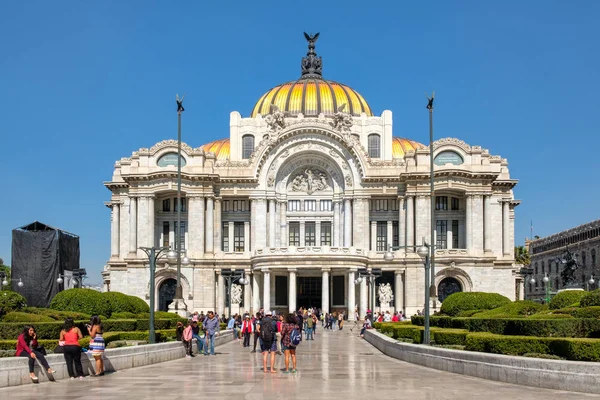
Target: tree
522 256
5 269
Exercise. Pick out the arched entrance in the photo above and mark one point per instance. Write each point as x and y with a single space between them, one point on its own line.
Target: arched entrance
166 294
448 286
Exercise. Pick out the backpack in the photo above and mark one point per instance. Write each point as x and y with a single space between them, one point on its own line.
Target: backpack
295 337
266 330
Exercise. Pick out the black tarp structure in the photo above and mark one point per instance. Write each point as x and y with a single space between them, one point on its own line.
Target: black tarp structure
40 254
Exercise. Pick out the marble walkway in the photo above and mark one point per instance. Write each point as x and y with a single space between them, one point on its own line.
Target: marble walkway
336 365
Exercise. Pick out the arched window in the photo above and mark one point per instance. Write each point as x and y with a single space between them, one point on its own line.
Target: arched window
247 146
543 267
374 146
593 252
536 268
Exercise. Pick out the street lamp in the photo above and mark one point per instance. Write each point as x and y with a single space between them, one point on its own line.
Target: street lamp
153 254
591 281
546 281
179 291
77 276
6 281
371 276
424 252
231 275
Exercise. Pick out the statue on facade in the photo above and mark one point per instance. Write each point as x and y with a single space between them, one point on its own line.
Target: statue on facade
312 65
570 265
236 294
179 101
312 180
276 119
385 294
342 121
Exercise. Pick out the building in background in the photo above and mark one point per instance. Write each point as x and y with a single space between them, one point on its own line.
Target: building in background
307 189
583 241
44 260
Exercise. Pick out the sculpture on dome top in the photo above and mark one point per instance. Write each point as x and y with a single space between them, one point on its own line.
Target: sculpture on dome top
276 119
342 122
312 65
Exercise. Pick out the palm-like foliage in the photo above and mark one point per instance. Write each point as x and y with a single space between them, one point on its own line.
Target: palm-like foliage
522 255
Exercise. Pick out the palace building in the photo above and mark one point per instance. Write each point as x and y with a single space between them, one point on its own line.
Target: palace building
309 189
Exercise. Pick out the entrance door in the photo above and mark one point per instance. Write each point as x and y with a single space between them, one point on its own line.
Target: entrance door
309 291
448 286
166 294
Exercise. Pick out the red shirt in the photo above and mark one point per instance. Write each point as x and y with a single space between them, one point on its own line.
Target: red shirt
395 318
22 345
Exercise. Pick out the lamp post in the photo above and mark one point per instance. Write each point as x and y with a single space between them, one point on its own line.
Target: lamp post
153 254
425 252
546 281
6 281
532 283
371 275
432 288
179 291
591 282
77 276
231 275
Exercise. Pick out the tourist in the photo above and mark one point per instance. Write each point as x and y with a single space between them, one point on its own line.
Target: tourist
27 346
366 325
211 326
69 337
286 338
299 322
195 316
280 321
256 329
322 319
186 339
267 330
247 330
341 320
97 344
179 331
387 317
196 335
395 318
231 326
310 324
238 325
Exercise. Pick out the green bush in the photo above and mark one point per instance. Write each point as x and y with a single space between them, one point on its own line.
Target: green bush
57 315
120 302
587 312
566 298
516 309
123 315
465 301
467 313
590 299
19 316
81 300
449 337
11 301
159 315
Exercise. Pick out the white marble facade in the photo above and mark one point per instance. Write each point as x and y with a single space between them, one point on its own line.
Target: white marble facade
305 208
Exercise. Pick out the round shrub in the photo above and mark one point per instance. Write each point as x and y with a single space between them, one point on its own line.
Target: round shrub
57 315
587 312
120 302
590 299
11 301
516 309
19 316
464 301
123 315
566 298
87 301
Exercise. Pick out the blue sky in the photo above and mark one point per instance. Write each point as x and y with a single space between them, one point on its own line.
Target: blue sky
83 84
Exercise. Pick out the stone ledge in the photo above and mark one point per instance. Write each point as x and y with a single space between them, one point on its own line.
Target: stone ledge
14 371
549 374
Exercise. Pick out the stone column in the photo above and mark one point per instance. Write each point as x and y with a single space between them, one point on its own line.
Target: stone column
115 228
410 222
210 228
218 225
260 227
246 236
401 222
351 302
151 228
505 227
230 234
201 220
283 224
487 224
255 293
477 222
325 291
362 308
220 294
132 225
373 235
247 292
266 290
292 290
318 233
142 223
390 234
359 231
399 290
302 234
193 226
347 223
272 234
336 223
469 222
253 224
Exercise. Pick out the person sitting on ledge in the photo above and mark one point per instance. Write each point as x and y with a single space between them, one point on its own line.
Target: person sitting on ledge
26 347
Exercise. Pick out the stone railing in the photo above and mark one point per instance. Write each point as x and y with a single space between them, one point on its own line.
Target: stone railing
451 252
310 251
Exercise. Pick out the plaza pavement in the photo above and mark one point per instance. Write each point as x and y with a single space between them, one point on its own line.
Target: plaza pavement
336 365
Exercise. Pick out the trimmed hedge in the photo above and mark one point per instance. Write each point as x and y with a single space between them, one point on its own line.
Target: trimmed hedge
466 301
566 298
516 309
590 299
57 315
19 316
120 302
11 301
81 300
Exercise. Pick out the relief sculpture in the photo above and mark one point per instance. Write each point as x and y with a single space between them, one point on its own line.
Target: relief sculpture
310 181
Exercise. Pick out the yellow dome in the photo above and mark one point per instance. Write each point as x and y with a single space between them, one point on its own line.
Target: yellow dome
311 97
400 146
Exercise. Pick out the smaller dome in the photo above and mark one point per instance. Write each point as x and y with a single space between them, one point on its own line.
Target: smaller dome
400 146
219 147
